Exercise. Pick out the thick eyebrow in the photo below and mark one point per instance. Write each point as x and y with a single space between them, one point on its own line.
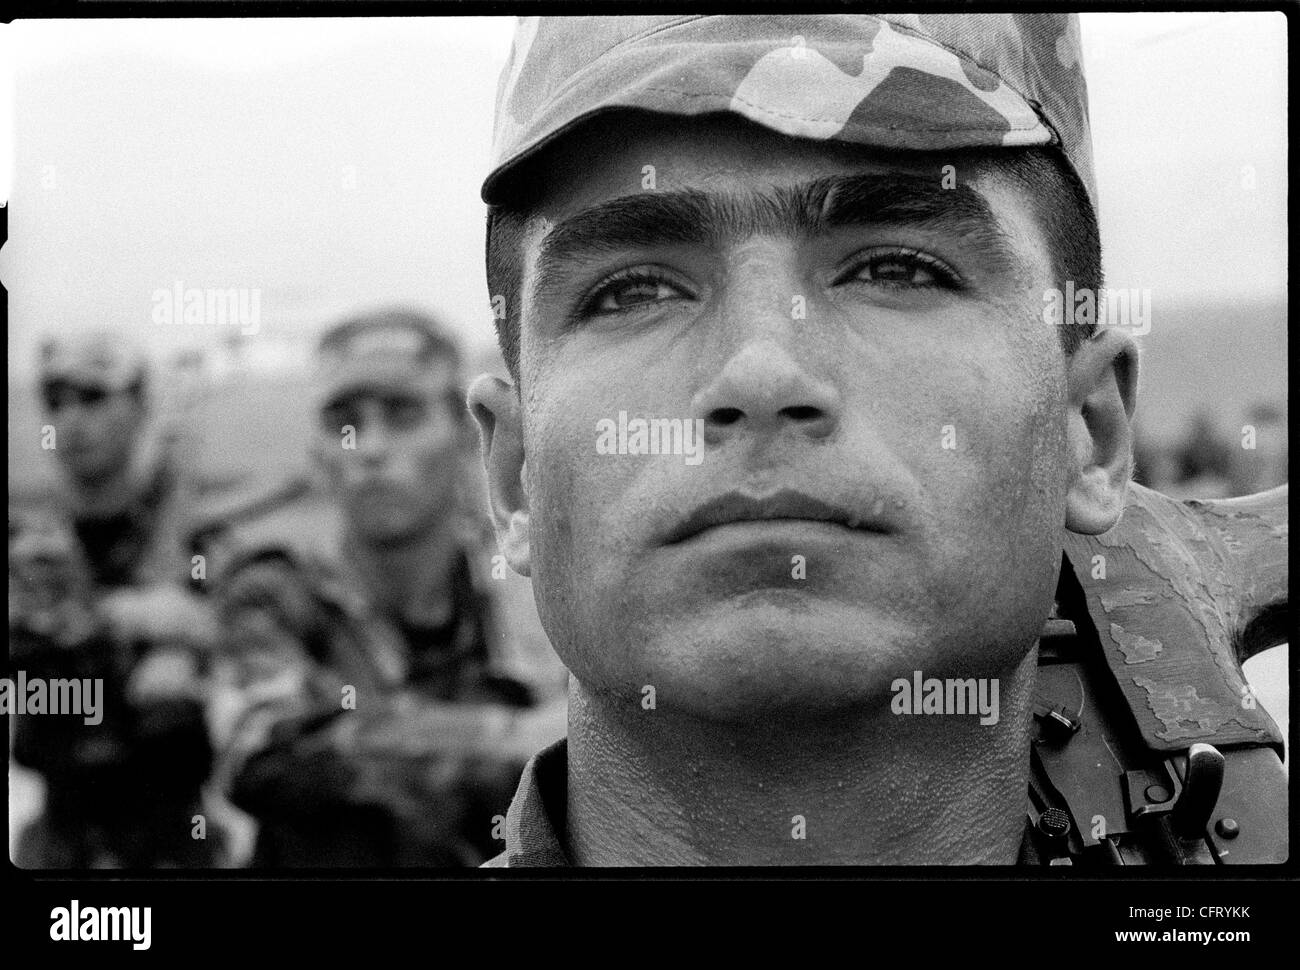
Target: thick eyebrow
651 219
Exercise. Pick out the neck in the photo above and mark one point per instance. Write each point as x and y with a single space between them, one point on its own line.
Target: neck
412 576
862 788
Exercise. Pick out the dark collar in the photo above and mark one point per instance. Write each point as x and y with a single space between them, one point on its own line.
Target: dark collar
535 820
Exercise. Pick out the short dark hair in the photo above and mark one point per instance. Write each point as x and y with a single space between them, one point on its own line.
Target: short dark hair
1064 212
1068 221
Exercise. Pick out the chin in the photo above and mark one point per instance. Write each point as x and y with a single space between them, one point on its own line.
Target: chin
87 471
762 659
380 531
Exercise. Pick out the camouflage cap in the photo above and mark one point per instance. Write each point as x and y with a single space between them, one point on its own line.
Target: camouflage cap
389 349
905 81
104 359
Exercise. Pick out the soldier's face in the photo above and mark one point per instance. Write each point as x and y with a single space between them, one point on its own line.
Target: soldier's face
95 428
882 483
393 456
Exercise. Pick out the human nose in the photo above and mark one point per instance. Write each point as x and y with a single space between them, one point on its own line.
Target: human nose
374 439
767 383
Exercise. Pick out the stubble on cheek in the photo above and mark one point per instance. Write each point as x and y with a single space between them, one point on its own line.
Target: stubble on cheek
995 556
1044 427
550 480
1035 495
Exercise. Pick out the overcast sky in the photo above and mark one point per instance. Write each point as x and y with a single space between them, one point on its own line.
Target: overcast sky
336 163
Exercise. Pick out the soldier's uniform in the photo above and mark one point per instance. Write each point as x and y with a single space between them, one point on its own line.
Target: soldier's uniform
416 766
122 792
365 734
938 82
97 582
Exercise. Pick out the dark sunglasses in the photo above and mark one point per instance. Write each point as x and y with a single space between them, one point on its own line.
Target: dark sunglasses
58 396
398 412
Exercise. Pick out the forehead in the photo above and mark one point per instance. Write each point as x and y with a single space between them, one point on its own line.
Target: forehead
616 187
619 156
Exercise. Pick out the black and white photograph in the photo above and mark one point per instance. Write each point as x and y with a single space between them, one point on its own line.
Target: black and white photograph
656 443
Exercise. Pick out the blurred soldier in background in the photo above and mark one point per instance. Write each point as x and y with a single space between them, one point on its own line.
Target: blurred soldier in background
121 488
382 720
1260 457
97 592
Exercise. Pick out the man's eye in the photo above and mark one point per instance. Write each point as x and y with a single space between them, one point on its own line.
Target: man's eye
61 396
630 292
340 416
902 268
402 413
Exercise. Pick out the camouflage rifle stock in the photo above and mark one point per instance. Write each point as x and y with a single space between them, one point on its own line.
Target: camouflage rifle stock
1149 736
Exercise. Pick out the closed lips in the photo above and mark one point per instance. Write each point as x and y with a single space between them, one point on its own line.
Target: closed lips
784 505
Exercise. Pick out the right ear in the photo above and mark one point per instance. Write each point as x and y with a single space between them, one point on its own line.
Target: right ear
1102 380
496 409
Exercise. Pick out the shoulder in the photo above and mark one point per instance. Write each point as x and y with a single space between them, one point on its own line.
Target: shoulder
285 551
293 524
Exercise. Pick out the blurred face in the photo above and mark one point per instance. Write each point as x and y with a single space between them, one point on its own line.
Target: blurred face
395 472
883 478
95 428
